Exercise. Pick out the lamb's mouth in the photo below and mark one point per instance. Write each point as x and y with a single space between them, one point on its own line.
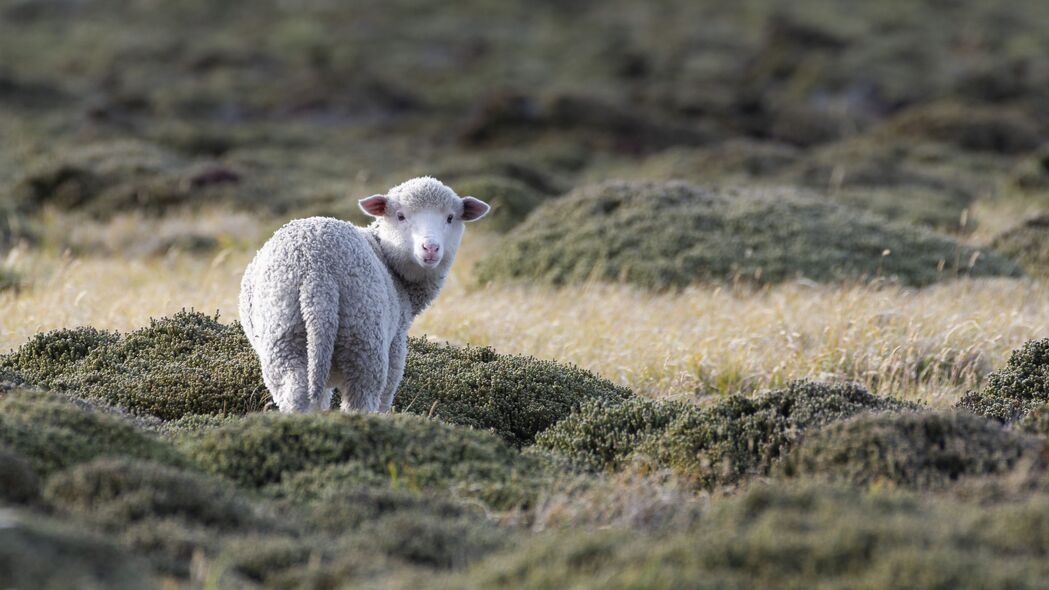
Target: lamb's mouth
430 262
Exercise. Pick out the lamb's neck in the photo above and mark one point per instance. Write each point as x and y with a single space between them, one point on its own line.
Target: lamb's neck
421 293
419 285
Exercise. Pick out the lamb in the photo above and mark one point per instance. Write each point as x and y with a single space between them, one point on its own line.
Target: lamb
328 304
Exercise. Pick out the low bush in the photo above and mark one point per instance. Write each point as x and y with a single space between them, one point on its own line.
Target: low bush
514 396
19 484
711 445
1011 392
108 177
191 370
267 450
53 433
604 434
915 449
180 365
38 552
116 492
670 235
511 200
1027 244
739 435
970 127
794 537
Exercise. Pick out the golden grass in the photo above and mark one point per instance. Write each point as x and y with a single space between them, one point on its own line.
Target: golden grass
929 344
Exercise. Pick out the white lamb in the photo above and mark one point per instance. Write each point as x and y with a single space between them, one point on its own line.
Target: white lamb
328 304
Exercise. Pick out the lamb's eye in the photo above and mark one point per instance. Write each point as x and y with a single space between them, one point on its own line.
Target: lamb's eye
449 219
400 217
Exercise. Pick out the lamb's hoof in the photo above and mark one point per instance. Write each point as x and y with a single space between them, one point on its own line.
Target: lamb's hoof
269 407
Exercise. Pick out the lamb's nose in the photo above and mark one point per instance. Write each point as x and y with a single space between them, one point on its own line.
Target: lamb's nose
431 248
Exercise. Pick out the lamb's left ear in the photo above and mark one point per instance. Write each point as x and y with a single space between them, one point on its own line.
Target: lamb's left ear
374 205
474 209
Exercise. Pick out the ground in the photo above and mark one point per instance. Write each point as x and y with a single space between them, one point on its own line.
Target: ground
761 300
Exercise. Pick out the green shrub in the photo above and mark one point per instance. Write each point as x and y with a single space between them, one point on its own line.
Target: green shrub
1014 390
109 177
737 160
1031 175
970 127
19 484
711 445
184 364
1027 244
36 552
188 366
740 435
539 171
920 182
259 558
115 492
918 449
514 396
669 235
1036 421
791 537
267 450
604 434
53 433
511 200
433 541
345 506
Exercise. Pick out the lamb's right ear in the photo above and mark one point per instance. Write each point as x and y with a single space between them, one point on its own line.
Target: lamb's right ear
374 205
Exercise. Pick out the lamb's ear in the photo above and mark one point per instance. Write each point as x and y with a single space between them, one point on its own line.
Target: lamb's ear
374 205
474 209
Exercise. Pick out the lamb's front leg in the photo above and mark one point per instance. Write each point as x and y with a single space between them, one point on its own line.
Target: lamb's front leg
398 357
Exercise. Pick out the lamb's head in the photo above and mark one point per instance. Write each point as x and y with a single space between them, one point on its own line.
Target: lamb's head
421 221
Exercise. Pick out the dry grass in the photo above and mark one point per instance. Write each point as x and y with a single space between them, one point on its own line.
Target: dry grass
929 344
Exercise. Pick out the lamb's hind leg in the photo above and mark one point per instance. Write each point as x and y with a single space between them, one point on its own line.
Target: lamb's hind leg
362 364
398 355
284 371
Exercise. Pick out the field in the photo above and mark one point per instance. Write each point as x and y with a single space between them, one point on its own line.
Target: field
761 301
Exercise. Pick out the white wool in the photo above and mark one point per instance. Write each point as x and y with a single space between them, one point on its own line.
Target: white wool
328 304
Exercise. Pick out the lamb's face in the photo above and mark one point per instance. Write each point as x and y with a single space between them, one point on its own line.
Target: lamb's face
423 219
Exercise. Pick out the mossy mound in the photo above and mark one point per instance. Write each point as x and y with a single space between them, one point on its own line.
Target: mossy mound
511 200
53 433
512 118
109 177
1036 421
736 160
19 484
1027 244
927 184
1031 175
37 552
189 366
514 396
914 449
184 364
1011 392
917 181
711 445
116 492
792 537
604 434
267 451
741 435
541 170
670 235
970 127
